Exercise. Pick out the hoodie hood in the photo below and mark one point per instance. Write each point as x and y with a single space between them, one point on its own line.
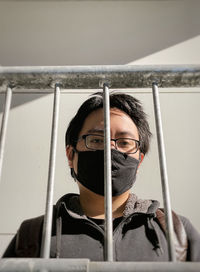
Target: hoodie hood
72 205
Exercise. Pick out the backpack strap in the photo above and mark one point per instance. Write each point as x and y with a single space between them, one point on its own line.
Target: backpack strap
180 236
29 237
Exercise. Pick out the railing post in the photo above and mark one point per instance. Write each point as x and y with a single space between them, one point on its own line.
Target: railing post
164 176
4 125
47 227
108 245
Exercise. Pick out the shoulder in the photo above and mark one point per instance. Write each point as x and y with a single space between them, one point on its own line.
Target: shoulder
191 231
193 237
28 237
26 242
31 223
10 250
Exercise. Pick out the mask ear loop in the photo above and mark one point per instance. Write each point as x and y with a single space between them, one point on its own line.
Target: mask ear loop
139 153
140 156
73 174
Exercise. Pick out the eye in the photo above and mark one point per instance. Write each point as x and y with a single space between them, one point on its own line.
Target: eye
96 140
124 142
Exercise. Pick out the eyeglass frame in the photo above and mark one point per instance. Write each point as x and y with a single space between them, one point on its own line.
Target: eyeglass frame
83 137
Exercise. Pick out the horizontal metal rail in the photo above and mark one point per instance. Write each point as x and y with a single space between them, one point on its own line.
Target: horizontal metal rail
83 265
92 77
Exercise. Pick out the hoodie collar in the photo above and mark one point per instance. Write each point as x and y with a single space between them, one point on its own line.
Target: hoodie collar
136 205
72 206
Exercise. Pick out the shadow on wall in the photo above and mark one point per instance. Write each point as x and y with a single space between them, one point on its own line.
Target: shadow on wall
18 100
92 33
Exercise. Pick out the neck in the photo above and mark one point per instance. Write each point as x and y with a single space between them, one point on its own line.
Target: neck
93 204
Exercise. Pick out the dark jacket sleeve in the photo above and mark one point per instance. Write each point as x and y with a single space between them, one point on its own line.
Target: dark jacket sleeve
10 251
193 240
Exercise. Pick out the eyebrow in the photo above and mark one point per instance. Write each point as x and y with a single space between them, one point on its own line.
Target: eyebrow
95 130
127 133
121 134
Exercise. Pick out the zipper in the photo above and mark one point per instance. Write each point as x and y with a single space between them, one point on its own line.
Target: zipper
130 216
91 223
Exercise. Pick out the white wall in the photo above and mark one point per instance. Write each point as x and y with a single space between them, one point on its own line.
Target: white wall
96 32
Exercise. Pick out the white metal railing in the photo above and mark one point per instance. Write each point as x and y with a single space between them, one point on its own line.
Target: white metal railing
84 265
47 228
92 77
15 78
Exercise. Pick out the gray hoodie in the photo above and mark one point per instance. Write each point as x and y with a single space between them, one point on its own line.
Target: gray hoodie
137 235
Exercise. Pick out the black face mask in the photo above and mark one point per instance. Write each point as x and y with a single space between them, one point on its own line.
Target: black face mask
91 171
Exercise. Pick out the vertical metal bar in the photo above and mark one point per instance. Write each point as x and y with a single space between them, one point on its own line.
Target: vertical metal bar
4 125
47 227
163 172
108 245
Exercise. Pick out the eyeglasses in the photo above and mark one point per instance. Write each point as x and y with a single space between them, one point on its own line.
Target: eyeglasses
96 142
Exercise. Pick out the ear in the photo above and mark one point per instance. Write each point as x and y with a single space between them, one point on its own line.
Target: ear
141 159
70 155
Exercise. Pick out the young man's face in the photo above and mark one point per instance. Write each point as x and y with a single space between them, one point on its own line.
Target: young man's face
121 125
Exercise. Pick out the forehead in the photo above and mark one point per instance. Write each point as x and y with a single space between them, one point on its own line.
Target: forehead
120 122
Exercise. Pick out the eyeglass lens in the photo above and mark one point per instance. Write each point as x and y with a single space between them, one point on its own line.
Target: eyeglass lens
96 142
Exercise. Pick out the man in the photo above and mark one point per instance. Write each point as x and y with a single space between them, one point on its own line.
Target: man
78 222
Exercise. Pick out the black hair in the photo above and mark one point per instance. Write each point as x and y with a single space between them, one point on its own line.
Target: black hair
125 103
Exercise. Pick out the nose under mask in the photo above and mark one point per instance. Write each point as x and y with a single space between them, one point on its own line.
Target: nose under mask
91 171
